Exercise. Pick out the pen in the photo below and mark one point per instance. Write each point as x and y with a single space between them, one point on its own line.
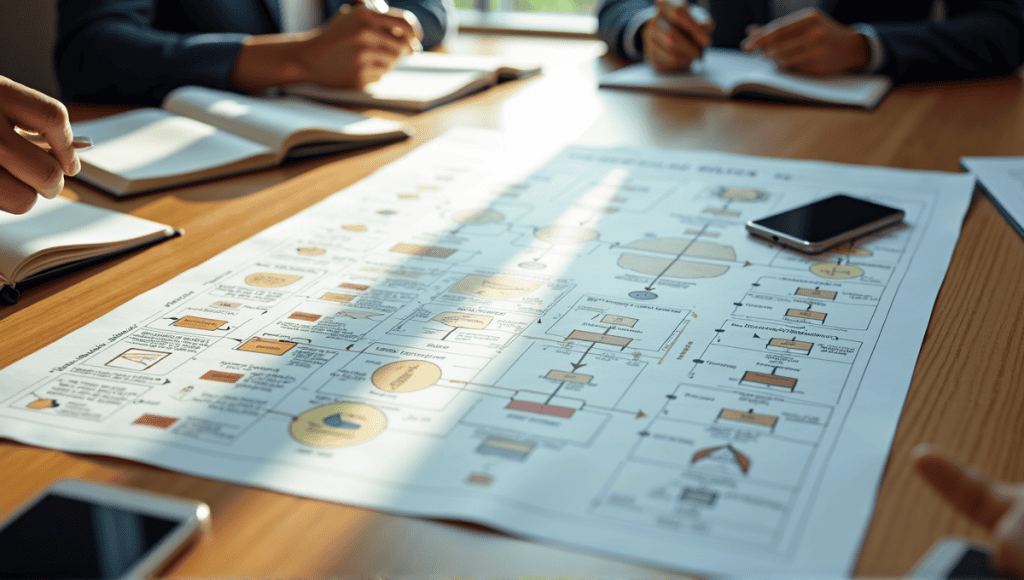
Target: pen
381 6
77 142
697 13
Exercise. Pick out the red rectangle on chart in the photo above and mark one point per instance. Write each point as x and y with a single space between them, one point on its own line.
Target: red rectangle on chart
158 421
554 410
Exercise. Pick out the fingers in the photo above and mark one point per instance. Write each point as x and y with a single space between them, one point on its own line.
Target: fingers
394 27
1009 543
785 29
29 109
29 164
971 492
684 17
414 26
667 49
15 196
371 67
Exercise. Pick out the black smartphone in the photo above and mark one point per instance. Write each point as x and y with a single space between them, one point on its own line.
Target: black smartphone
955 558
825 223
81 529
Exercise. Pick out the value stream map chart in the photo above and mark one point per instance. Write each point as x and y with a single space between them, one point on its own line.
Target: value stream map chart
582 347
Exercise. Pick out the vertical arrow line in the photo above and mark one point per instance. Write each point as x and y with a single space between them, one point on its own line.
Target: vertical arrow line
680 254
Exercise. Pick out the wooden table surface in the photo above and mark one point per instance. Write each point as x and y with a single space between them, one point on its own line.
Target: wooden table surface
966 395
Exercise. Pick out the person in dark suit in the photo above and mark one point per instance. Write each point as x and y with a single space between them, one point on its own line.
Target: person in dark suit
136 51
895 38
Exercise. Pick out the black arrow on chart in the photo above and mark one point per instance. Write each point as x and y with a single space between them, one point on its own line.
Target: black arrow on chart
677 258
579 364
553 393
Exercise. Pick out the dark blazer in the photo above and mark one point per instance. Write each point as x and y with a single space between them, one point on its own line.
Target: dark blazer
136 51
977 38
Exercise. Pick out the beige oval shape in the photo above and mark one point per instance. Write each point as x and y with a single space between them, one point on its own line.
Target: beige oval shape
338 425
406 376
311 251
271 279
833 271
358 228
463 320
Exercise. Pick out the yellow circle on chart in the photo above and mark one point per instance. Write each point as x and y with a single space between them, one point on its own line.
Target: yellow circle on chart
358 228
566 235
406 376
311 251
338 425
836 271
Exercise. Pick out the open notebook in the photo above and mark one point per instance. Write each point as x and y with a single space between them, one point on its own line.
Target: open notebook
58 235
723 73
424 80
200 133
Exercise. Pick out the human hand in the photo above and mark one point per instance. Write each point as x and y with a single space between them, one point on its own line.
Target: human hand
676 36
25 168
359 44
996 505
812 42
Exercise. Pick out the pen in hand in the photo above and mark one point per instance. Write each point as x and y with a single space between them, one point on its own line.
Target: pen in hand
381 7
676 36
80 143
697 14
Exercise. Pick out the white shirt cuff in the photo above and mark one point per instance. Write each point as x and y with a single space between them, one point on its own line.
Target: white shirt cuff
632 29
877 57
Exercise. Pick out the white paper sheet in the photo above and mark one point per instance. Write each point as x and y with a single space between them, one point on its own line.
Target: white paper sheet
586 349
1002 178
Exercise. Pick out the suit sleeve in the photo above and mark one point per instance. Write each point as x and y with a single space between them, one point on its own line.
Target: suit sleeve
616 18
435 16
977 38
108 51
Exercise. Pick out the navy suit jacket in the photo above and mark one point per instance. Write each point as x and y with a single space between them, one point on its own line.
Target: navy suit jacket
136 51
977 38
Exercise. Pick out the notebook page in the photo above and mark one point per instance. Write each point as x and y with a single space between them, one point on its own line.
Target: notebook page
153 143
270 121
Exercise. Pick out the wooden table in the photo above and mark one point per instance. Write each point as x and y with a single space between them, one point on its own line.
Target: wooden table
966 394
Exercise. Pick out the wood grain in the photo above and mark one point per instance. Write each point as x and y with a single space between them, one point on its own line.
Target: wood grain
966 394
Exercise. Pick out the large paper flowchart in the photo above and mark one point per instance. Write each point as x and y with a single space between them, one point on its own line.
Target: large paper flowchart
583 347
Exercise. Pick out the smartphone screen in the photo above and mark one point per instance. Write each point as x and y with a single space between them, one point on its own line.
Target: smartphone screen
974 564
61 537
829 218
